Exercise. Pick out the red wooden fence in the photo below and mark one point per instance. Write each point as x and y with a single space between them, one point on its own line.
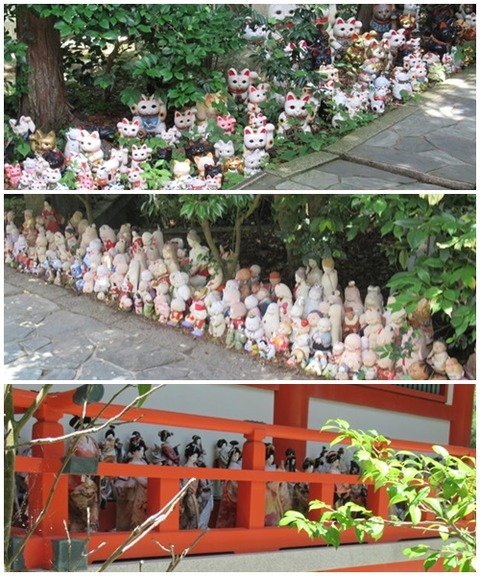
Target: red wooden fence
249 535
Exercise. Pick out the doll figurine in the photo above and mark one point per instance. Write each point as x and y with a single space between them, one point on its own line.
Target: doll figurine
131 494
198 258
221 461
313 272
301 286
351 322
227 513
197 443
205 500
301 490
83 505
329 281
170 454
189 510
135 441
342 491
277 499
52 219
108 451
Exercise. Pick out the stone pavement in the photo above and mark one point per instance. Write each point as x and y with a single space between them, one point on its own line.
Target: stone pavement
424 145
52 333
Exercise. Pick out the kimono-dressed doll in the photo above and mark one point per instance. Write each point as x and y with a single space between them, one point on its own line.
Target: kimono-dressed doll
277 497
227 513
82 489
131 494
189 509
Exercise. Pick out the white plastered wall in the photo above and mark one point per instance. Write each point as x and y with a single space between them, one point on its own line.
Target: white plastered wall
249 403
220 400
391 424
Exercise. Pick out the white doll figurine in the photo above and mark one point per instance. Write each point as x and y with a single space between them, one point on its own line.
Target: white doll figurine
369 366
313 273
271 320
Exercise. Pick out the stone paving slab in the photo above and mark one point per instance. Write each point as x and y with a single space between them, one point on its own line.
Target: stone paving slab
52 333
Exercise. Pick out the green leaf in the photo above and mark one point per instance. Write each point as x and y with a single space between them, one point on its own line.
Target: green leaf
416 551
431 561
441 451
142 389
415 514
435 505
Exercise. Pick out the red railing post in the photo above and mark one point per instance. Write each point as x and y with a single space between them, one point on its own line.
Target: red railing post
160 492
251 495
40 485
320 491
377 501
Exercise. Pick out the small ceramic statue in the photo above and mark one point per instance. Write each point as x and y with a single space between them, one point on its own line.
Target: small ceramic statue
83 500
239 84
314 273
296 114
51 218
329 281
301 490
151 112
198 259
383 19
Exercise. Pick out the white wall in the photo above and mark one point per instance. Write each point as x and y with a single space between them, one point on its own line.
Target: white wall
221 400
249 403
391 424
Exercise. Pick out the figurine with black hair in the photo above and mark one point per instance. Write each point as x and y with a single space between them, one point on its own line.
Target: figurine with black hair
227 513
131 494
301 490
134 443
189 509
83 501
170 456
277 497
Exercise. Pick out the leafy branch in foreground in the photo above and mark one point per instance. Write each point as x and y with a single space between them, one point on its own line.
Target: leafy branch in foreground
436 495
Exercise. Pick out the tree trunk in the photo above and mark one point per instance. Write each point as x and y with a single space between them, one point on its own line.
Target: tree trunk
45 100
364 14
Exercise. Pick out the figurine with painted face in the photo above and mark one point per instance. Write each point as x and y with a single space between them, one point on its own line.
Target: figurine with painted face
239 84
83 501
131 495
296 114
383 19
151 112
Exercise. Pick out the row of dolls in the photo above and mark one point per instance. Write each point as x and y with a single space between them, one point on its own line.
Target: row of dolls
314 326
205 503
